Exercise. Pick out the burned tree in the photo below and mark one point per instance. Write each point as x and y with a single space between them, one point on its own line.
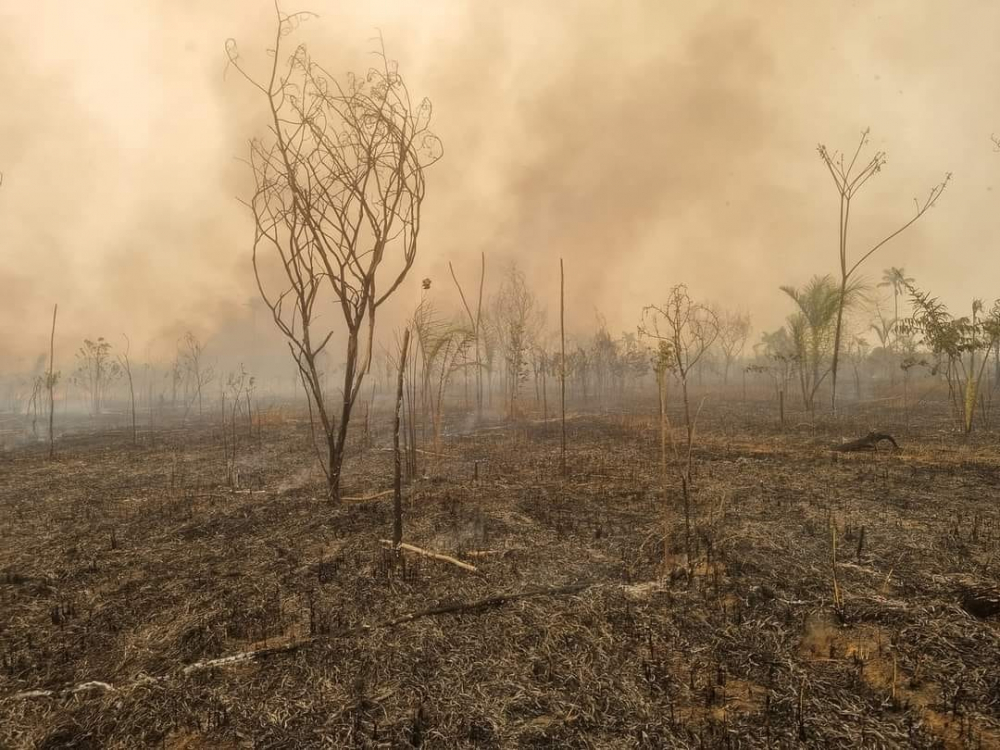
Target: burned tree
476 326
849 178
397 476
734 330
516 321
681 330
50 382
96 371
339 187
562 363
125 363
190 357
444 346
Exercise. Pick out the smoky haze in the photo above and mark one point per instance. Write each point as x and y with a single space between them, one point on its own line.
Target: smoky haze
647 143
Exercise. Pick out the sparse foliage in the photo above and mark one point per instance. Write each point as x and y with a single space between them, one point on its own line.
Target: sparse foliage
812 329
96 371
515 321
337 210
734 330
849 177
681 331
197 373
959 341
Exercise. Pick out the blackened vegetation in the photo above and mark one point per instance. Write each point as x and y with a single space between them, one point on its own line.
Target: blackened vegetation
982 601
221 618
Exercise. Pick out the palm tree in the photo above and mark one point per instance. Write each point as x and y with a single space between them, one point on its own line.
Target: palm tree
812 327
900 282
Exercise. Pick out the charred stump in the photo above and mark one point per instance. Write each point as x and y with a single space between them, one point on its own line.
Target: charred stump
869 442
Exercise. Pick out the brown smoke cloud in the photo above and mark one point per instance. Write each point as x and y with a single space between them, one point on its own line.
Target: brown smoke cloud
646 143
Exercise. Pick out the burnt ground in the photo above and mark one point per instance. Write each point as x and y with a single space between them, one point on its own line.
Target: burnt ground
134 566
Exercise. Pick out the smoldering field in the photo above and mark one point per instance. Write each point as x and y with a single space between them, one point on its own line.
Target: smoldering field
129 566
480 504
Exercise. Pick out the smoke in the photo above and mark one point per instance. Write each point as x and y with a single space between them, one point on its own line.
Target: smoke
645 143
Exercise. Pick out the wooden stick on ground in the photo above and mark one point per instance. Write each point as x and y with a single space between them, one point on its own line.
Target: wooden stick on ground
433 555
367 498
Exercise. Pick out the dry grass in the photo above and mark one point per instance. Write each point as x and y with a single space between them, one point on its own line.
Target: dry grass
714 654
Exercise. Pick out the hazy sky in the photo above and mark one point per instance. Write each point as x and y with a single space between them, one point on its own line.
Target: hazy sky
645 142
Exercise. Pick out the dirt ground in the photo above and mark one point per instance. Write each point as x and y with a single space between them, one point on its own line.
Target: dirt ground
129 574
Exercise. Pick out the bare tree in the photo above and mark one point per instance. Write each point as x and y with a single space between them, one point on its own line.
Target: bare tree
562 362
237 385
516 320
849 178
34 402
858 349
50 381
603 357
176 376
683 331
781 353
339 187
443 346
475 324
198 374
96 371
126 365
661 361
734 330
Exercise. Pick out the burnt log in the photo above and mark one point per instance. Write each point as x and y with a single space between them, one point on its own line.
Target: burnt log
869 442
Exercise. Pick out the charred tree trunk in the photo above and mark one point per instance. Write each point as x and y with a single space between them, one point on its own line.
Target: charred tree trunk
52 384
397 486
562 364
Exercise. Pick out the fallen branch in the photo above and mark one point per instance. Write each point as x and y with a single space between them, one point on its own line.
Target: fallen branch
433 555
83 687
368 498
490 602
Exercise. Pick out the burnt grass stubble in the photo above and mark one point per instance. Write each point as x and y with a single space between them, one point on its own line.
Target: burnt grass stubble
124 565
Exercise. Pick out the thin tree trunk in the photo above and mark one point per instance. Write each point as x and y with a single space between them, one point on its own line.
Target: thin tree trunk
661 388
131 391
397 486
545 402
562 368
52 385
225 432
686 478
745 413
845 214
337 441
